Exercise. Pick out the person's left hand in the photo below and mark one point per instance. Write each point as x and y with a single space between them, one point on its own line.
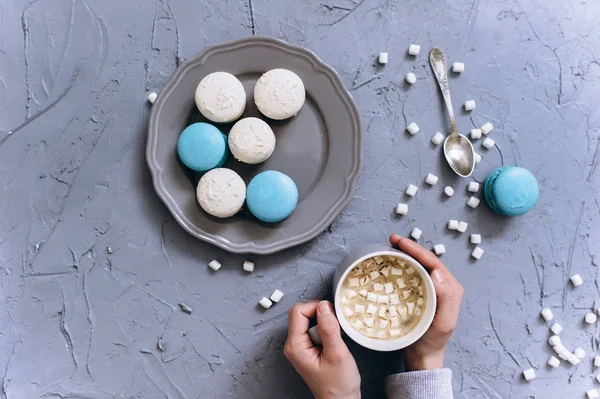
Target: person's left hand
330 372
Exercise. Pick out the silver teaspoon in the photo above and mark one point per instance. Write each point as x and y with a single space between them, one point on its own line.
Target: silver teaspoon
458 150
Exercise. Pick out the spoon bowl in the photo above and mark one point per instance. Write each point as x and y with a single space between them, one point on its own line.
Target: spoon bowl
458 149
459 154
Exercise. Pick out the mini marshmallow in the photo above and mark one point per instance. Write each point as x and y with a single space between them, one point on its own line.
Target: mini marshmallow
414 50
353 282
529 374
383 323
437 138
431 179
276 296
488 143
475 238
345 301
477 253
411 307
396 271
152 97
265 302
395 333
413 129
452 224
576 280
400 282
411 78
592 394
420 301
377 287
462 226
478 158
439 249
547 315
449 191
411 190
554 340
395 299
470 105
214 264
383 299
358 324
368 321
579 352
473 187
348 312
591 318
371 309
473 202
389 288
553 362
556 328
382 311
416 233
248 266
383 58
597 361
359 308
561 350
401 209
372 297
458 67
350 294
574 360
410 270
475 134
395 322
374 274
487 128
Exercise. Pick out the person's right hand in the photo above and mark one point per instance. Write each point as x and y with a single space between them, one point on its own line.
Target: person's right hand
428 352
330 372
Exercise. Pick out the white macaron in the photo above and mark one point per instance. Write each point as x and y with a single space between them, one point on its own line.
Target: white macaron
279 94
251 140
220 97
221 192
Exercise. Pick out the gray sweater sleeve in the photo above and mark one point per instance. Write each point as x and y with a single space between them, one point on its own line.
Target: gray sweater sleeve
426 384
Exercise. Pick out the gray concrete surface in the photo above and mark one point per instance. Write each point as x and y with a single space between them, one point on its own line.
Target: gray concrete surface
80 320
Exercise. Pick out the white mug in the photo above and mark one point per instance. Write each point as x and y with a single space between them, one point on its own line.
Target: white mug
384 345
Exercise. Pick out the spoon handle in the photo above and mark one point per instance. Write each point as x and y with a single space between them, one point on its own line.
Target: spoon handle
438 64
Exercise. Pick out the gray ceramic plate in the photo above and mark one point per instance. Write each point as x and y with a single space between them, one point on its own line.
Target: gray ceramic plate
320 148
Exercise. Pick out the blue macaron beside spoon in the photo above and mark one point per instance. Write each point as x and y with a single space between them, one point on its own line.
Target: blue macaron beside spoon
511 191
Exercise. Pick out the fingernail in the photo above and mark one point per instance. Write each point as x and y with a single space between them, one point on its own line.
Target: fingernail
438 277
324 308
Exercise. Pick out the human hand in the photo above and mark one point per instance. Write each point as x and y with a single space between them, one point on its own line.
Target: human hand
330 372
428 352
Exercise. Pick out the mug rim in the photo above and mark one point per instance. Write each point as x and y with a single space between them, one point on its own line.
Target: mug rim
388 345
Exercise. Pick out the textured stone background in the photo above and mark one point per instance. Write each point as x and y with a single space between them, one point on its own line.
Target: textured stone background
79 322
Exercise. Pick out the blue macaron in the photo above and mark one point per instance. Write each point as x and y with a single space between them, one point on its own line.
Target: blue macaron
511 190
202 147
272 196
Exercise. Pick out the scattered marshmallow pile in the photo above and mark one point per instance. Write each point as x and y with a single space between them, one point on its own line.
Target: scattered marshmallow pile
562 352
454 225
268 302
248 266
383 297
